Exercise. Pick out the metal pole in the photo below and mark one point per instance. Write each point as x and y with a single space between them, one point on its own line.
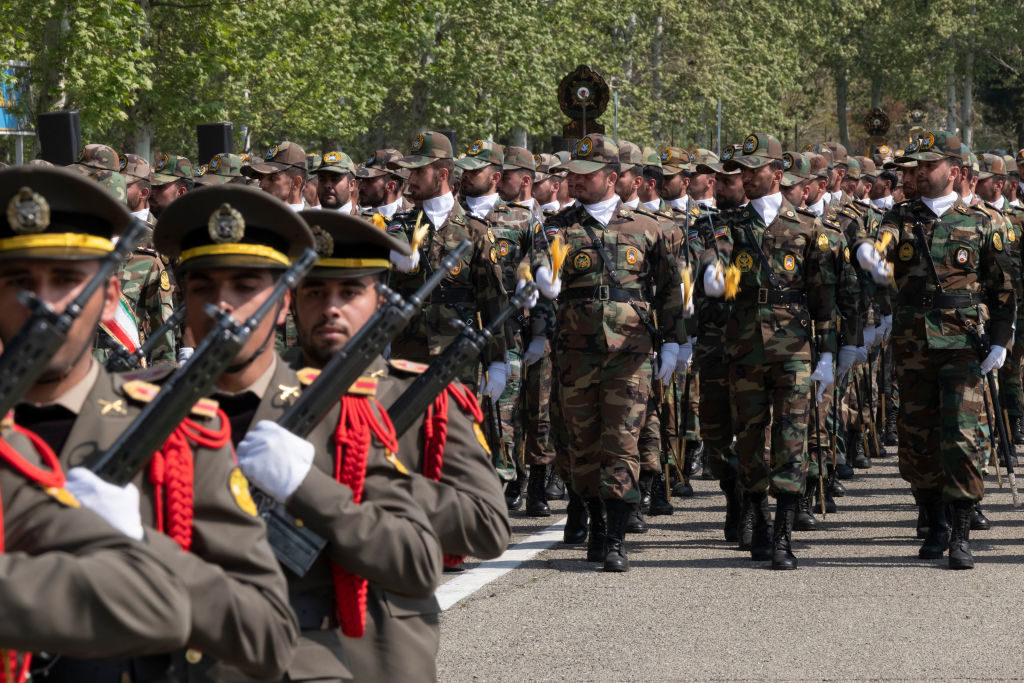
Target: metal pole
19 150
615 118
718 144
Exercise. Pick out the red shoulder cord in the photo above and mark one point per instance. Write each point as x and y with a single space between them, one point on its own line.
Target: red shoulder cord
11 671
352 445
435 436
172 468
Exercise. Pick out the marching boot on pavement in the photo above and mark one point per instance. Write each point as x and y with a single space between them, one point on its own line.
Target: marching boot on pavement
733 508
782 547
645 481
805 519
635 524
660 504
536 496
830 503
619 515
959 543
761 535
937 539
555 487
576 523
680 489
834 486
922 522
891 433
979 522
859 458
745 525
598 530
694 459
514 494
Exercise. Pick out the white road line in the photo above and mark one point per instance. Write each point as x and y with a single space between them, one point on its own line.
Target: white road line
476 578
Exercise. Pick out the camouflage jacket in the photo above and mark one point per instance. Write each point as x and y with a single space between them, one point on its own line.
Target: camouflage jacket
1011 223
849 300
473 286
710 314
765 325
589 317
969 253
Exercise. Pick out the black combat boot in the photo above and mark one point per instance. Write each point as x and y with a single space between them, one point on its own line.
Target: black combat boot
659 500
960 542
555 488
830 502
694 458
979 522
745 526
761 539
576 523
705 470
835 487
937 540
598 530
892 437
782 546
922 522
733 507
619 512
514 494
680 489
844 471
860 458
1018 431
536 498
805 519
635 523
645 482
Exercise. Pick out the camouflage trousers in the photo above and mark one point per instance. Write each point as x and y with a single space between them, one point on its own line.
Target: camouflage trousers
510 405
830 428
775 395
716 419
858 403
559 437
540 448
667 398
603 401
941 439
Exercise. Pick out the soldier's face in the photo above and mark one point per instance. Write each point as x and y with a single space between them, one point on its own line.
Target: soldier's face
795 194
701 185
674 186
760 182
373 191
277 184
863 187
137 193
591 188
239 291
729 190
990 188
426 182
514 186
628 185
328 312
334 189
161 196
481 181
936 178
546 190
56 283
815 189
879 189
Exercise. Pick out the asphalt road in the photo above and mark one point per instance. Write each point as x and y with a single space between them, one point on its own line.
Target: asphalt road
861 605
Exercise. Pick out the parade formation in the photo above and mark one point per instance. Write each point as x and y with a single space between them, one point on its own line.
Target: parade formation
255 408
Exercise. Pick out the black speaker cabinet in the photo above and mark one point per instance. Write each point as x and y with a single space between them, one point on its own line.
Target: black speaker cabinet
60 137
214 138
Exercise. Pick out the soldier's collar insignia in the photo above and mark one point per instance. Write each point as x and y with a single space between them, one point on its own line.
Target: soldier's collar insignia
271 153
116 407
287 393
122 162
323 242
307 376
64 496
584 147
417 143
624 212
750 144
28 212
476 147
226 225
163 162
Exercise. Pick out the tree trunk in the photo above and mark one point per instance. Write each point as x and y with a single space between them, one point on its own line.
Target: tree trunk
842 93
951 88
876 90
659 32
966 112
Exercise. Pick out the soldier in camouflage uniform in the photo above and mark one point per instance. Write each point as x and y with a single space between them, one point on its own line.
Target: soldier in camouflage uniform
223 168
786 277
473 287
136 172
380 187
171 177
959 286
617 273
336 183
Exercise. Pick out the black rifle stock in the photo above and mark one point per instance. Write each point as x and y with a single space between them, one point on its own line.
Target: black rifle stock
122 361
148 432
24 359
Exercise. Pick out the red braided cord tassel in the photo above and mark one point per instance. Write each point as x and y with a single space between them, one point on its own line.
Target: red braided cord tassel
435 436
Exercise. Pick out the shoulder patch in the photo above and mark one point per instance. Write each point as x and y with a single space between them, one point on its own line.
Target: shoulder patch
205 407
408 366
364 386
307 376
805 211
139 390
165 281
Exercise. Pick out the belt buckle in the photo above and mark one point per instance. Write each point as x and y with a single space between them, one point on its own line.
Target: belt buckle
762 295
603 293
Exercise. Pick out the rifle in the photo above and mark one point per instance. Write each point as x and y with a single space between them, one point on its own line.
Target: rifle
992 434
415 400
150 429
25 358
815 415
297 547
122 361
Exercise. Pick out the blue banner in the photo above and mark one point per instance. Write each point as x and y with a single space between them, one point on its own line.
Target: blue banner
9 122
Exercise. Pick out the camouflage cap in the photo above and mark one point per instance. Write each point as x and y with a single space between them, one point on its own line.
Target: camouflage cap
279 157
96 157
972 161
839 154
349 246
202 176
730 152
593 153
482 153
133 167
867 168
545 163
380 164
563 157
631 157
231 226
852 168
827 154
651 157
881 155
336 162
937 145
169 168
113 181
426 148
223 168
519 158
674 160
990 165
312 161
44 162
796 168
1011 166
903 159
759 149
704 161
57 213
1019 159
819 165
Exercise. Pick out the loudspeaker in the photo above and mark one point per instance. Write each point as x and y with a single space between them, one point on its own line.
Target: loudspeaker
60 137
214 138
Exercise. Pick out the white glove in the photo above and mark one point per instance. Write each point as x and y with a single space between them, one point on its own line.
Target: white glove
497 375
547 288
667 361
403 263
117 505
862 355
869 336
714 281
685 356
184 353
872 263
535 351
847 359
274 459
886 327
822 375
687 302
532 300
994 360
879 331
